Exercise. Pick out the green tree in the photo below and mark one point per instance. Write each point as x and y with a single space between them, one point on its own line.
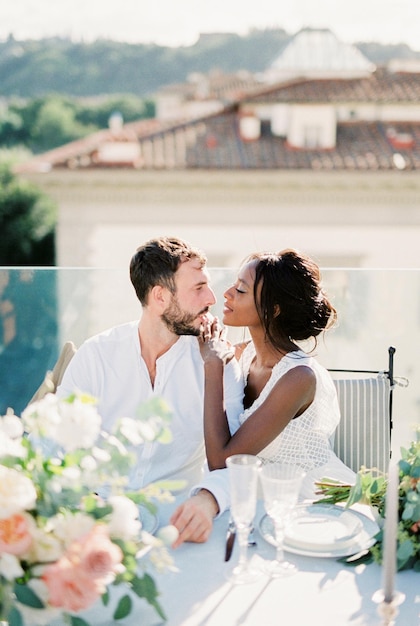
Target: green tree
27 222
55 124
132 109
11 128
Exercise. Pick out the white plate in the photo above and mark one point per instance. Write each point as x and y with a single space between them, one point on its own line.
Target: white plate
363 536
149 521
323 529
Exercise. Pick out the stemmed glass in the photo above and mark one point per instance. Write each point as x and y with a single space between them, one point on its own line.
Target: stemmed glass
243 479
281 484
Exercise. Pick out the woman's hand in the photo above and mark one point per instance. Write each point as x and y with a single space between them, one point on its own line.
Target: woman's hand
214 345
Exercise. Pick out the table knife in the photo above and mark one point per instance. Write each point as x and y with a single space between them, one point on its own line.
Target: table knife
230 540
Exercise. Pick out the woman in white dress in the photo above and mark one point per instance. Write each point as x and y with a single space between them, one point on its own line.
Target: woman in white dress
290 403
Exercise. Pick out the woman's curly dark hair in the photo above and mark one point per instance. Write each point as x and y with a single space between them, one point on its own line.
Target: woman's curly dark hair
290 300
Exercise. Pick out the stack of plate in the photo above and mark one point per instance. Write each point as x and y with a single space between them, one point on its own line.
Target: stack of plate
324 530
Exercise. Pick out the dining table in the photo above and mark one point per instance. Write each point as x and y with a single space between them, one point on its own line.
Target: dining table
324 590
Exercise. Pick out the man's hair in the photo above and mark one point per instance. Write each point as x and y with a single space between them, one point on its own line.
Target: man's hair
156 261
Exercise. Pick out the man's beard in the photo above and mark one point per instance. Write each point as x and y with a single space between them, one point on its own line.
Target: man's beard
181 322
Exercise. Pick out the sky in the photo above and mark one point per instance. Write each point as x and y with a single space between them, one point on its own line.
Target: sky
179 22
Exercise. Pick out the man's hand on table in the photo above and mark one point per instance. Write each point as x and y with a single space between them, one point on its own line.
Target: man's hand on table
194 518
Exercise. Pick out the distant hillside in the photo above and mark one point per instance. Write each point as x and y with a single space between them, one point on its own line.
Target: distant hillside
34 68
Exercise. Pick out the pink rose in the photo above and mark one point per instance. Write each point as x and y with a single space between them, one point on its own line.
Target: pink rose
78 579
68 586
98 557
15 537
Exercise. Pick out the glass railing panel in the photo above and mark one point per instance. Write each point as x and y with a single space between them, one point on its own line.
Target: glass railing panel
41 308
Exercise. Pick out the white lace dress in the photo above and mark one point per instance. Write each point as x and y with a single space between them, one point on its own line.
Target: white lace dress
306 439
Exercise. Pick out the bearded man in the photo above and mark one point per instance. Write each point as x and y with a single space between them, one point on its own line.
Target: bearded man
159 356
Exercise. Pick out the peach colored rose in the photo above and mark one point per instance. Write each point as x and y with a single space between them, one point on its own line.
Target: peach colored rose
15 536
69 587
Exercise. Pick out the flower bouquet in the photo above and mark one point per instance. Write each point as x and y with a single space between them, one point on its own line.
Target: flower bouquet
68 528
370 488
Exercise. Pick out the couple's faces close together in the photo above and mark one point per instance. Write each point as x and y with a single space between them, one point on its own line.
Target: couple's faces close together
191 301
193 297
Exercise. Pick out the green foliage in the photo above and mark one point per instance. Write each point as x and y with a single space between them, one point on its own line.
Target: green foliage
56 124
370 488
145 587
55 65
97 113
50 121
25 595
124 608
27 221
11 128
77 621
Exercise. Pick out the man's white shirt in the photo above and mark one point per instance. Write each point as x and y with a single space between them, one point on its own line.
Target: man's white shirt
109 366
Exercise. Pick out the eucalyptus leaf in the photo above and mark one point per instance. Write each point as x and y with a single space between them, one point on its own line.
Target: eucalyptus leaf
26 596
145 587
405 550
123 608
405 466
78 621
14 617
415 471
408 512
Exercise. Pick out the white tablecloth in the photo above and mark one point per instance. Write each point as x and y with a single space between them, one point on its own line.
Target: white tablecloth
323 592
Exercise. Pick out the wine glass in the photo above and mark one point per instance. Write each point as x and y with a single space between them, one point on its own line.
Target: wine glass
281 484
243 478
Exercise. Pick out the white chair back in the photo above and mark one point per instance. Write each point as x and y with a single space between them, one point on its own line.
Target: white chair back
363 436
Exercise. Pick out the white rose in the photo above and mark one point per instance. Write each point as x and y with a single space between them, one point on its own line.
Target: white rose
17 492
45 548
68 528
10 567
124 523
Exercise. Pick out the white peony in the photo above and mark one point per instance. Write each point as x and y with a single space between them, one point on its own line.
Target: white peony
80 425
124 523
17 492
